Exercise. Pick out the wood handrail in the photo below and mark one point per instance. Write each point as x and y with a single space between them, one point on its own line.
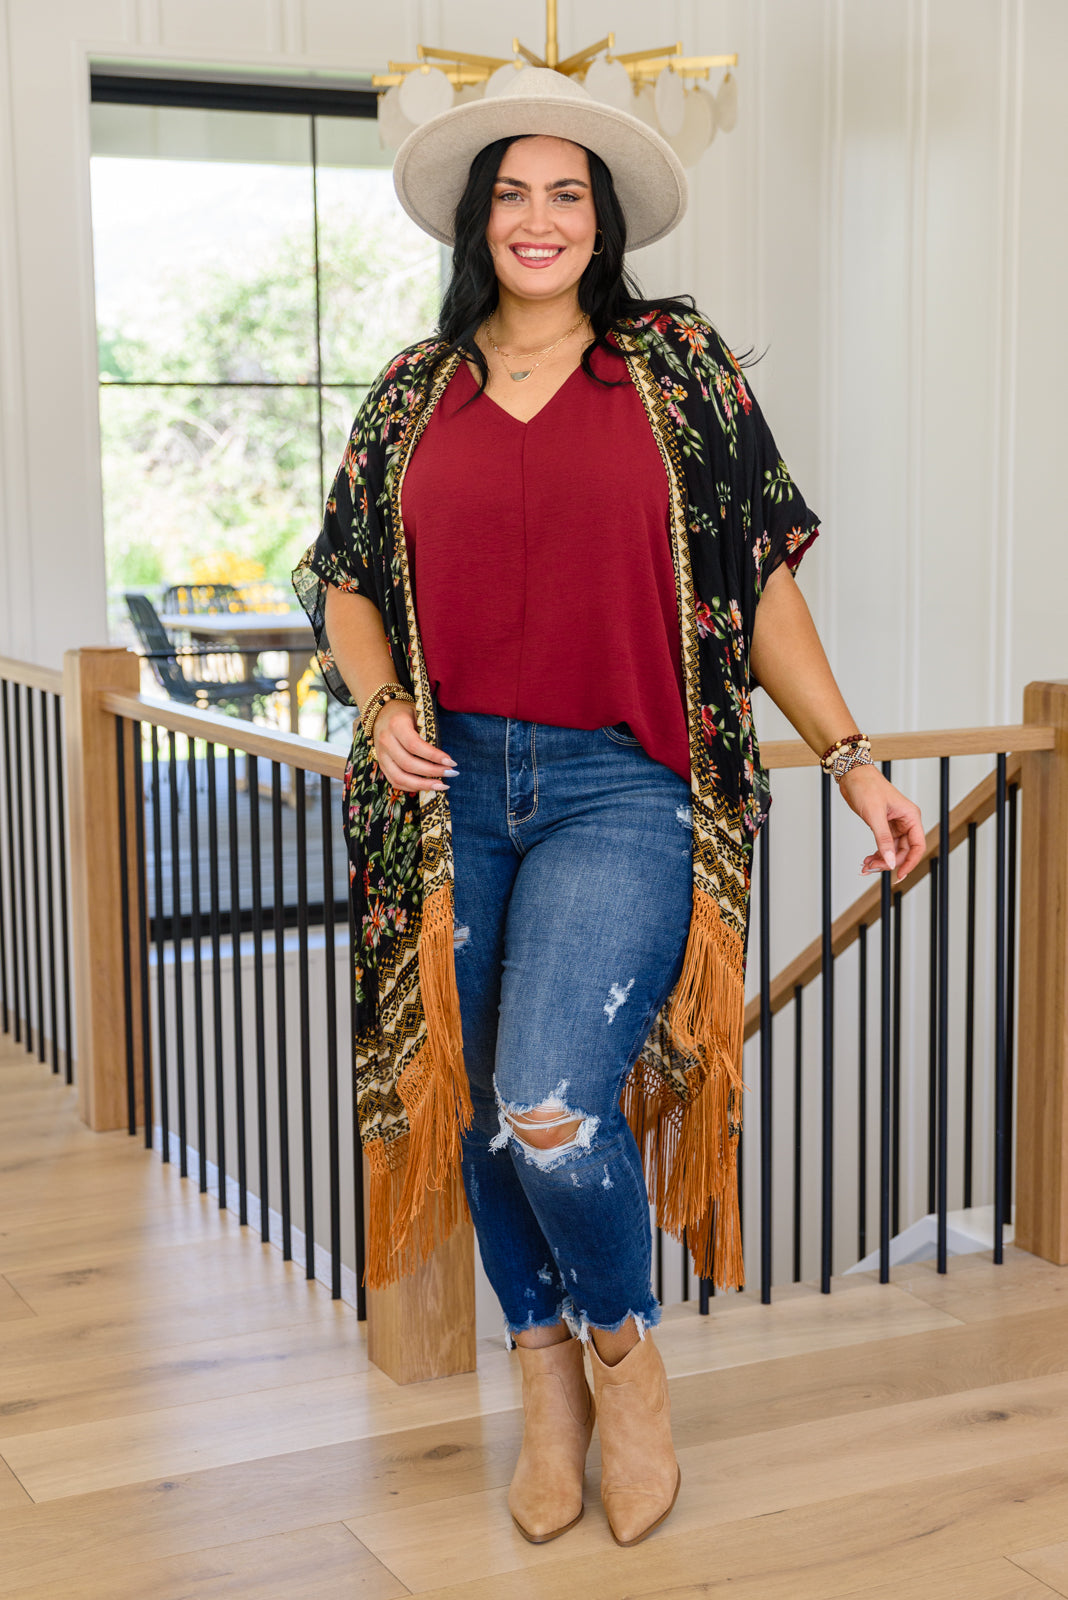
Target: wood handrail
867 909
231 732
780 753
33 677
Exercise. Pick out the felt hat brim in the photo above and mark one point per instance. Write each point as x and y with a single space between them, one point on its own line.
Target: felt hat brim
432 165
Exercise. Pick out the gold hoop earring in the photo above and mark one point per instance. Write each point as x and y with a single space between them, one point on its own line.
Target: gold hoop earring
599 252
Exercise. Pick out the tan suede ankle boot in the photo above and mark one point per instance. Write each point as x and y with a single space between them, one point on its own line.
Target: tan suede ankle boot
640 1476
546 1494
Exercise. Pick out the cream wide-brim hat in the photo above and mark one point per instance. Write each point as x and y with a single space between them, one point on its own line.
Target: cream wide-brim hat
432 165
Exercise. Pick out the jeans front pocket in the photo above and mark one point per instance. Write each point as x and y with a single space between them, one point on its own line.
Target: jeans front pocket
620 733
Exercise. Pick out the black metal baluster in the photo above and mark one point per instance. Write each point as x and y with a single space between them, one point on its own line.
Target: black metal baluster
659 1254
895 1202
50 887
176 944
943 1008
862 1095
142 931
282 1060
35 874
161 975
885 1099
4 1009
64 908
1010 996
124 913
301 796
357 1150
827 985
886 1107
765 1068
215 934
799 1043
333 1105
253 785
1000 1051
969 1021
20 798
932 1040
235 972
11 875
685 1268
198 975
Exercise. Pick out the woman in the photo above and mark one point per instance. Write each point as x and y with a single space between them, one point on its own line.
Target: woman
555 561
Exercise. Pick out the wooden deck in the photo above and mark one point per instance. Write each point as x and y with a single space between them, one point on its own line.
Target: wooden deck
183 1416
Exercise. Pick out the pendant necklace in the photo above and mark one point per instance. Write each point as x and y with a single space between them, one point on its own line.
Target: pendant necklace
524 373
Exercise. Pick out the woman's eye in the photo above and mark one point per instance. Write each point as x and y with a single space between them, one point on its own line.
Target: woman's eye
509 194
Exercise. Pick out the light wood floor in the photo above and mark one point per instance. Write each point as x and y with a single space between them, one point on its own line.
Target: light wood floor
183 1417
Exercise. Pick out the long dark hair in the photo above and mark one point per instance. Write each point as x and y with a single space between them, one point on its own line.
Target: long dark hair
607 293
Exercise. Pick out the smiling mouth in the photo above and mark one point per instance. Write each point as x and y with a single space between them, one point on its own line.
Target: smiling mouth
534 255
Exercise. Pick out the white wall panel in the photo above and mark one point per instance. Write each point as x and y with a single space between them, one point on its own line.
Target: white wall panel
354 33
954 468
252 25
1035 578
869 627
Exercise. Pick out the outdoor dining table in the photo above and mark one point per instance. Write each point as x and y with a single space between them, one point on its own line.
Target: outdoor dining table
286 631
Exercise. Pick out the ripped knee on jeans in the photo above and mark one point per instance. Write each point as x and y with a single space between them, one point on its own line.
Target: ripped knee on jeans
547 1133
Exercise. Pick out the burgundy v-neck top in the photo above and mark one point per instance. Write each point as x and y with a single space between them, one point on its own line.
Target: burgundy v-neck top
541 561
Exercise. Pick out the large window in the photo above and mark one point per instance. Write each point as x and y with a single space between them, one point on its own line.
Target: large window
254 271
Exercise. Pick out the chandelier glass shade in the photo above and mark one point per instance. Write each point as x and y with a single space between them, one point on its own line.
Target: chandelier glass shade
670 91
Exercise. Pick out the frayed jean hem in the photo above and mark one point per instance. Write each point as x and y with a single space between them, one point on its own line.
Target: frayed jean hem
582 1325
650 1318
563 1313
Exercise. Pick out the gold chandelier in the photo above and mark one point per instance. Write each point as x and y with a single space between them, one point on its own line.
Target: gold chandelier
664 87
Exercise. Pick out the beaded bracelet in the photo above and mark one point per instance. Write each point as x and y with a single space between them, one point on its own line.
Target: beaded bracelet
375 702
852 751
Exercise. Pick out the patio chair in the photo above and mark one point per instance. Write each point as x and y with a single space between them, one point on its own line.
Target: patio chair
260 594
228 688
190 599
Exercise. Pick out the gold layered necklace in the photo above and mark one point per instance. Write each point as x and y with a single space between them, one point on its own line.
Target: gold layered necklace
524 372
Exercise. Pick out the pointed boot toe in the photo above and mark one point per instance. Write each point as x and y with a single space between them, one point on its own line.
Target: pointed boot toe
640 1475
545 1498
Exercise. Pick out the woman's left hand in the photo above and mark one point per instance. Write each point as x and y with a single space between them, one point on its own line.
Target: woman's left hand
894 821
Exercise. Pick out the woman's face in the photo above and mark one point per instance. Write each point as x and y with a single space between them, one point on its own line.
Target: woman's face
542 225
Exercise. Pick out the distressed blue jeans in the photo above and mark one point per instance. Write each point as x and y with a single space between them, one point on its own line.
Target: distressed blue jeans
573 884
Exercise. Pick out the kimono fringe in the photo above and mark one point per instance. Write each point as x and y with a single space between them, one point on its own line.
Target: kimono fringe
391 1258
690 1148
416 1196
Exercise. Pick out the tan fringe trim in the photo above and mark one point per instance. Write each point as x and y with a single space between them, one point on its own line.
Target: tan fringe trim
706 1012
690 1148
390 1258
416 1196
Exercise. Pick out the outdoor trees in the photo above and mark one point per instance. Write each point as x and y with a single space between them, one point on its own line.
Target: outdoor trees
210 410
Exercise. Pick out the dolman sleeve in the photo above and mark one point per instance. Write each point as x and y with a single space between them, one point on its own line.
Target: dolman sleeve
784 528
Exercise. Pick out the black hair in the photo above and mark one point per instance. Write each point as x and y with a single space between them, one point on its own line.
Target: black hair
607 293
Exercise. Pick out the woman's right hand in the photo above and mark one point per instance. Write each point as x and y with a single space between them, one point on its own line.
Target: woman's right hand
406 760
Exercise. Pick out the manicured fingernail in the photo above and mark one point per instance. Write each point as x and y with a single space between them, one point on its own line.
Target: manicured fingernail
890 860
452 772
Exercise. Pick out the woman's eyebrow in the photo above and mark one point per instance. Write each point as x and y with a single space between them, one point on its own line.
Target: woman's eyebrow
560 183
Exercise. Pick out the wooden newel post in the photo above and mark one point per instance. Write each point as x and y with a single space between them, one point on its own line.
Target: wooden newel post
424 1326
1042 1053
96 922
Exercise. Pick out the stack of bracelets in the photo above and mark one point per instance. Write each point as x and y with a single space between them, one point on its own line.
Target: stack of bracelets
374 704
845 754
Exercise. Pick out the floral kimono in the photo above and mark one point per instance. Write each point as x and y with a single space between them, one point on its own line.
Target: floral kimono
734 516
